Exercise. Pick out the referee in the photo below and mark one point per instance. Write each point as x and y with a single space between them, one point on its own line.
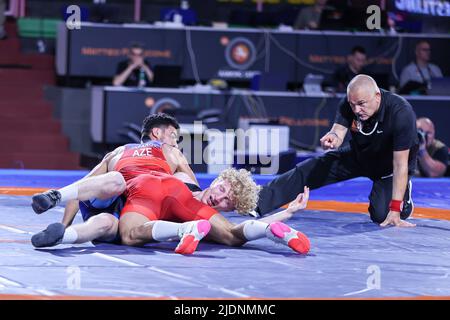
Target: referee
383 148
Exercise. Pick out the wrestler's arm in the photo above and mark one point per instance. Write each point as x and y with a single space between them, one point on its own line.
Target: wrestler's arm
183 167
299 203
178 162
228 233
72 206
184 177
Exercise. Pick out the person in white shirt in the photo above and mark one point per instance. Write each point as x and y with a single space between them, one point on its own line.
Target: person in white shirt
420 70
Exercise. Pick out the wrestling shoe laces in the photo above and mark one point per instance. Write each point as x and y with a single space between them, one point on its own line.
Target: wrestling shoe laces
41 202
190 234
282 233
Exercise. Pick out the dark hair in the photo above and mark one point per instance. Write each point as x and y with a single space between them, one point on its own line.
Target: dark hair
157 120
358 49
136 45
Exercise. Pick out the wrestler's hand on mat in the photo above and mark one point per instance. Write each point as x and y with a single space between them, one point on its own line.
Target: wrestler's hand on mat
329 141
300 202
393 218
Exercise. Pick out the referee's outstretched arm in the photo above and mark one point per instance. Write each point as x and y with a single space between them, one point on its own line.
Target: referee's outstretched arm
334 138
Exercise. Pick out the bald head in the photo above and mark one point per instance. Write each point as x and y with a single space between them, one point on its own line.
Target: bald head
425 122
363 82
427 126
364 96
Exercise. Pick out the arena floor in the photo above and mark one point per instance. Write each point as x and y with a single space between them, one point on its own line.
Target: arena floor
350 257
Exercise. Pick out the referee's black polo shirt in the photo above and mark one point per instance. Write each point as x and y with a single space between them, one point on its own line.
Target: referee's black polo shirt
396 131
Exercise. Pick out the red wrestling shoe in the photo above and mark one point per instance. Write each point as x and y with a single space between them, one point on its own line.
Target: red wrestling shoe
190 234
282 233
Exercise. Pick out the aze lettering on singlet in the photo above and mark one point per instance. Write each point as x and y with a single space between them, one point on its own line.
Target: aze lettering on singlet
142 158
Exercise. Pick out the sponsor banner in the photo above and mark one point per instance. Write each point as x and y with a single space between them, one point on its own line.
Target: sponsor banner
435 8
308 118
95 51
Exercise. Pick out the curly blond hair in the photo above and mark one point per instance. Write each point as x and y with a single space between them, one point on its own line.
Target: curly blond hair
244 191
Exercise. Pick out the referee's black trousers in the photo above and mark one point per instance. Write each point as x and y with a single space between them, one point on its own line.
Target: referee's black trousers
331 167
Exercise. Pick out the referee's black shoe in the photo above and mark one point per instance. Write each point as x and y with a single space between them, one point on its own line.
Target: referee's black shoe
408 205
41 202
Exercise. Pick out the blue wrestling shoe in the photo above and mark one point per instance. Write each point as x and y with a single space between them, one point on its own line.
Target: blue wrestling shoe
41 202
49 237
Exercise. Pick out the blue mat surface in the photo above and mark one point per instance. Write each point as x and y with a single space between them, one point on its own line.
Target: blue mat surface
433 193
349 257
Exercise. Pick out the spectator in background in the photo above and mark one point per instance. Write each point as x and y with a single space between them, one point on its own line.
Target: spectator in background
355 65
309 17
391 23
417 74
433 154
134 72
2 19
183 14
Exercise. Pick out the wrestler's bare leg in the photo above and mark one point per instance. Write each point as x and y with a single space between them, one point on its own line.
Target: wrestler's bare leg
102 187
224 232
102 227
137 230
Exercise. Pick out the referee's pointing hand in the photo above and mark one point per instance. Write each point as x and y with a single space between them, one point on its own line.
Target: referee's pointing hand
329 141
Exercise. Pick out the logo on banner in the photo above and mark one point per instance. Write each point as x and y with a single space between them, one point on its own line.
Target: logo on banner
161 105
240 53
426 7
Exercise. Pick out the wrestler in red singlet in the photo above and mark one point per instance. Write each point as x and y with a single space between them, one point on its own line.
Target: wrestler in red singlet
142 158
160 196
153 191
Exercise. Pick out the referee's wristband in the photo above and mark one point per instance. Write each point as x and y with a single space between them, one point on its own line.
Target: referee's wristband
396 205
